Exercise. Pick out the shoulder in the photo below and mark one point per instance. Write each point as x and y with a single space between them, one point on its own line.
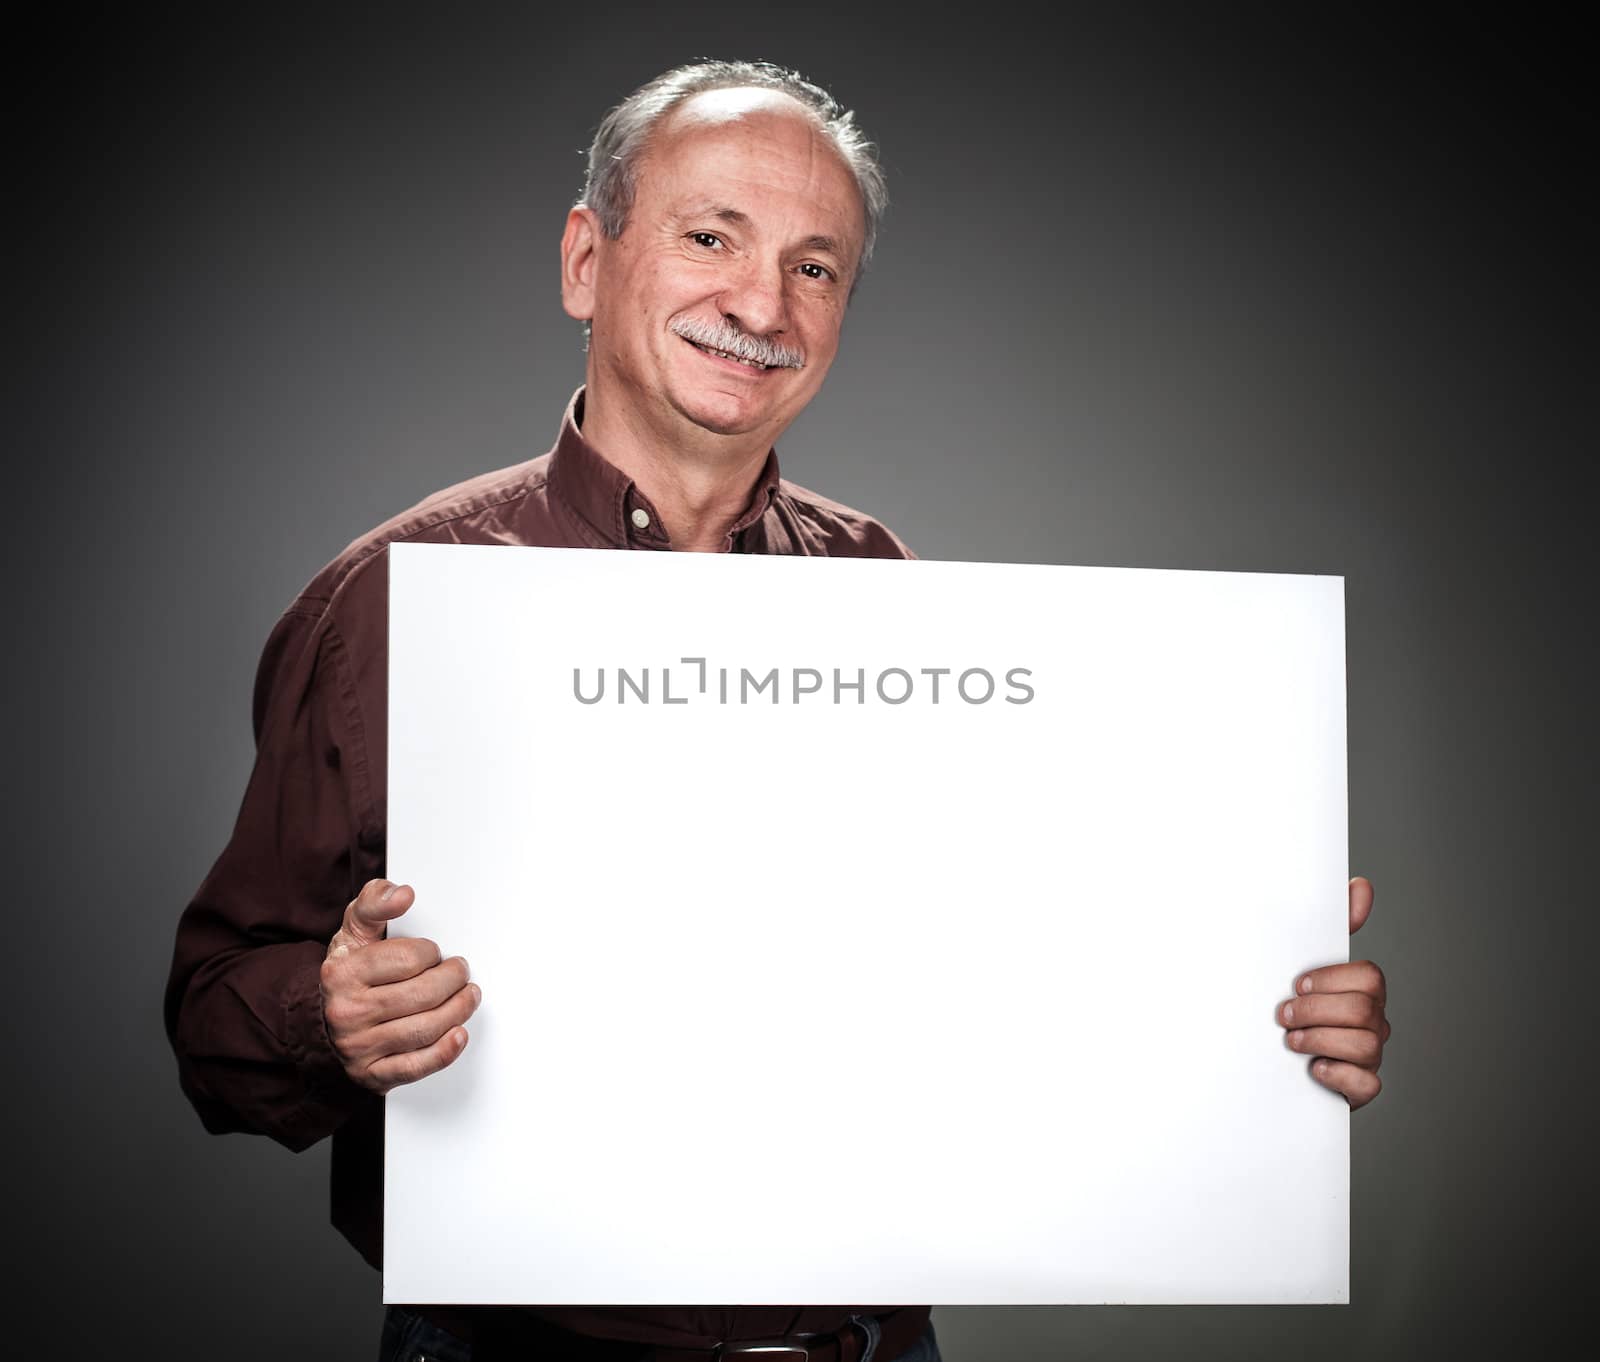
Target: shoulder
333 636
491 508
824 526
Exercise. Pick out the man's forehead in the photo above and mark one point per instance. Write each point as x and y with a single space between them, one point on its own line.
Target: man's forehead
794 149
711 107
769 123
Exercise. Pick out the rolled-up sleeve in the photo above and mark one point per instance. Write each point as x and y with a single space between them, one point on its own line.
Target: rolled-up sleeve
243 1004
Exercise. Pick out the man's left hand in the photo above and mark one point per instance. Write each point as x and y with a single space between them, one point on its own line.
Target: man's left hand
1337 1016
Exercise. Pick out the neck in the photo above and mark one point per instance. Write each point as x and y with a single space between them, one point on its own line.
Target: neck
698 481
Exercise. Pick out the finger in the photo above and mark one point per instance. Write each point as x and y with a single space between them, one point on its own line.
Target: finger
1332 1009
388 962
406 987
420 992
378 903
1361 896
415 1032
1353 1044
1360 976
408 1068
1358 1085
366 916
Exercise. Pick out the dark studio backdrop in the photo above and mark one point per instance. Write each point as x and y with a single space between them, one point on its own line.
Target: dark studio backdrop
1297 292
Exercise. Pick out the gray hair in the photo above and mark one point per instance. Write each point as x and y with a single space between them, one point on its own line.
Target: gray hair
624 135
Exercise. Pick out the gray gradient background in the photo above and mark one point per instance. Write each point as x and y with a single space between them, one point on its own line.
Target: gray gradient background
1282 295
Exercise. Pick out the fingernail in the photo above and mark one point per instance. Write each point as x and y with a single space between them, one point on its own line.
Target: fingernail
384 897
1305 984
1288 1012
1297 1038
1322 1068
477 994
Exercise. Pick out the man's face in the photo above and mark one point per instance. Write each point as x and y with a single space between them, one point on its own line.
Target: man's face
745 234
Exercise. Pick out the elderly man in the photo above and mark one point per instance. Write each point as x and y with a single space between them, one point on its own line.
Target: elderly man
729 212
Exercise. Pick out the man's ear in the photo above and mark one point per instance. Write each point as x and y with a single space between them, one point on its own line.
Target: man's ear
579 263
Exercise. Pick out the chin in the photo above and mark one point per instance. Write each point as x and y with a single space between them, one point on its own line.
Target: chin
724 415
717 427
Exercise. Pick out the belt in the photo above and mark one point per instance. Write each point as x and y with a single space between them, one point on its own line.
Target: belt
516 1339
899 1330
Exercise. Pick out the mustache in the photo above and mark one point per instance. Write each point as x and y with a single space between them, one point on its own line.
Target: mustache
723 335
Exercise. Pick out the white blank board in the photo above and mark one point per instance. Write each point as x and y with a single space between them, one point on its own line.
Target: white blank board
830 998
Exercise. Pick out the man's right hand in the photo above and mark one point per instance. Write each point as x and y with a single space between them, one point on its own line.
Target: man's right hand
393 1009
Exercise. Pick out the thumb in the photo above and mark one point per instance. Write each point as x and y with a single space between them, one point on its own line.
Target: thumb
1360 902
367 915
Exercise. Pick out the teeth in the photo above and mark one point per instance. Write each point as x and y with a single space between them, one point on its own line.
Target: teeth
737 359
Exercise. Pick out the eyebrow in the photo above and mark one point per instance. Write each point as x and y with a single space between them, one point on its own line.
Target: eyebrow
734 218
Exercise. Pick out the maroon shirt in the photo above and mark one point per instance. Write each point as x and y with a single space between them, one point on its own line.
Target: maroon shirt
244 1000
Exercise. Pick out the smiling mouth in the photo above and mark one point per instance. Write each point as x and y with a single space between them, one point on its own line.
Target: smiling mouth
723 354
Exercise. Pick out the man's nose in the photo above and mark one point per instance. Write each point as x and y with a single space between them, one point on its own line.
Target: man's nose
755 300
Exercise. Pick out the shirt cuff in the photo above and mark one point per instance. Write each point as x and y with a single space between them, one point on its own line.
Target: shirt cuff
330 1097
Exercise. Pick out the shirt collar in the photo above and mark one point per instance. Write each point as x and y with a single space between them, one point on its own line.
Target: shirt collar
610 505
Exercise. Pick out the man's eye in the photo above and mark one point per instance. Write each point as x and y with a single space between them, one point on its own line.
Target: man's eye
812 270
704 239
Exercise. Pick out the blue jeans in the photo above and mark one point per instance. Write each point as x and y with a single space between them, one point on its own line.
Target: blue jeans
407 1337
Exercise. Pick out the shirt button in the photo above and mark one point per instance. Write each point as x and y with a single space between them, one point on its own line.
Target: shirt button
641 518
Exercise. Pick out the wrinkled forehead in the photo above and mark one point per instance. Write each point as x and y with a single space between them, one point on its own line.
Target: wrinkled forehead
782 141
710 108
770 123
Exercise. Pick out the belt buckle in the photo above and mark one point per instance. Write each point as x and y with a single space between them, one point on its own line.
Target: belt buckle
765 1350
